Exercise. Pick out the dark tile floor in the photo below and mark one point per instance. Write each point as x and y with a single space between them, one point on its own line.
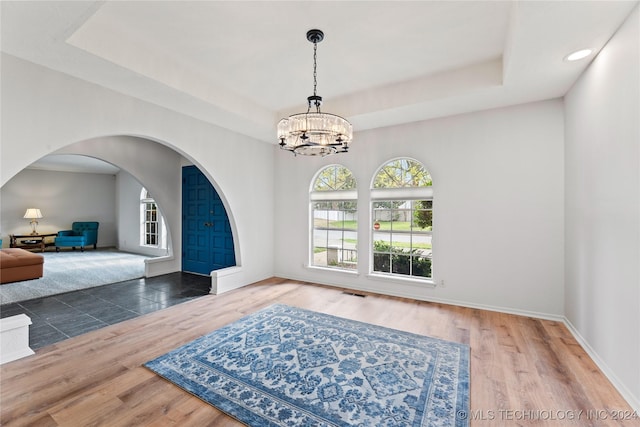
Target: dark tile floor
59 317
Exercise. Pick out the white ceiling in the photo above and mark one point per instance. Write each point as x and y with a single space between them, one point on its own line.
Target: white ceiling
74 163
243 65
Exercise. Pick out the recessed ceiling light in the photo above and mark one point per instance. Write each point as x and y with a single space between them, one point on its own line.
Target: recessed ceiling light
578 54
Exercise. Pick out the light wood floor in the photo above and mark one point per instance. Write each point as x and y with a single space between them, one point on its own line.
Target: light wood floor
523 371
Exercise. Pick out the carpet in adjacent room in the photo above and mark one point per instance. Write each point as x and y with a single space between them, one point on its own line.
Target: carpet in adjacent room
68 271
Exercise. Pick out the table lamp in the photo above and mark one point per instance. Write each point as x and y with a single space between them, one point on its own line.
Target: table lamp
33 214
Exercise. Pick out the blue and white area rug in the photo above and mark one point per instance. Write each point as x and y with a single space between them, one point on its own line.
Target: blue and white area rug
284 366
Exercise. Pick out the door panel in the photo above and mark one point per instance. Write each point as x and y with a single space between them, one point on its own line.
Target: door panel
207 241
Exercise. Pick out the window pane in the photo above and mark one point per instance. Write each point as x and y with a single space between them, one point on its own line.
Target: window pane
321 218
334 178
320 255
421 266
320 238
422 215
334 240
400 264
401 245
402 173
382 262
382 241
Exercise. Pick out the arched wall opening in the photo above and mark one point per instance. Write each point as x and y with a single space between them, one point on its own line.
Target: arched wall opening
44 110
158 167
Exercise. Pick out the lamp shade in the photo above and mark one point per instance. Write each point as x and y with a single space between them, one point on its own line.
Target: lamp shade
33 213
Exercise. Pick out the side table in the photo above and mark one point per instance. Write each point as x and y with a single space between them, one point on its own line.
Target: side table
30 241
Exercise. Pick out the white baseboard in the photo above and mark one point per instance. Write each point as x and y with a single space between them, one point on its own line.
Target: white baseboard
419 297
632 400
160 265
7 357
226 279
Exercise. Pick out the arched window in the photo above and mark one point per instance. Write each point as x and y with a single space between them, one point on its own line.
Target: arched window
152 228
333 199
402 212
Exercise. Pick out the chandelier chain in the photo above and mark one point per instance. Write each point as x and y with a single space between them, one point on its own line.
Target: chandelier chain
315 65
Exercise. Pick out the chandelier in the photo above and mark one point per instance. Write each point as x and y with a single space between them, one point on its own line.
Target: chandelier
315 133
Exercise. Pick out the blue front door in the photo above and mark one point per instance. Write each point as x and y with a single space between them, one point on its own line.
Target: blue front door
207 240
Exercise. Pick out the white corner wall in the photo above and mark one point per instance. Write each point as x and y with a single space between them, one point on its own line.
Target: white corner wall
45 111
498 208
129 237
603 209
62 197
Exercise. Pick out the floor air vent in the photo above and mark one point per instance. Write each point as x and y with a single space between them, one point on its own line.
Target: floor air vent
354 294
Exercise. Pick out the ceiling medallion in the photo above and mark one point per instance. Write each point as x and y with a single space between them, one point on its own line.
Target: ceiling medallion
315 133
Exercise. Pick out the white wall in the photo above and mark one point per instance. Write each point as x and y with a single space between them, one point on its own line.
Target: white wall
603 208
62 197
46 110
498 207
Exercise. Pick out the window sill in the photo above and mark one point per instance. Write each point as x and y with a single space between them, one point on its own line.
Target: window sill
404 280
332 270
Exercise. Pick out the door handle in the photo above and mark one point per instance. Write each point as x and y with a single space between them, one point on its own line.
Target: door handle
208 224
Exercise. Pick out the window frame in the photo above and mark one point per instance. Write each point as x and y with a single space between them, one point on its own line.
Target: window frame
160 230
400 194
342 256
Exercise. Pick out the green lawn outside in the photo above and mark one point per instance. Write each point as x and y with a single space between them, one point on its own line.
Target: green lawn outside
353 225
384 226
348 225
407 245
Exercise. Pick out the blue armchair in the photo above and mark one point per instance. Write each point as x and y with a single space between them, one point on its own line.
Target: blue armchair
81 234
